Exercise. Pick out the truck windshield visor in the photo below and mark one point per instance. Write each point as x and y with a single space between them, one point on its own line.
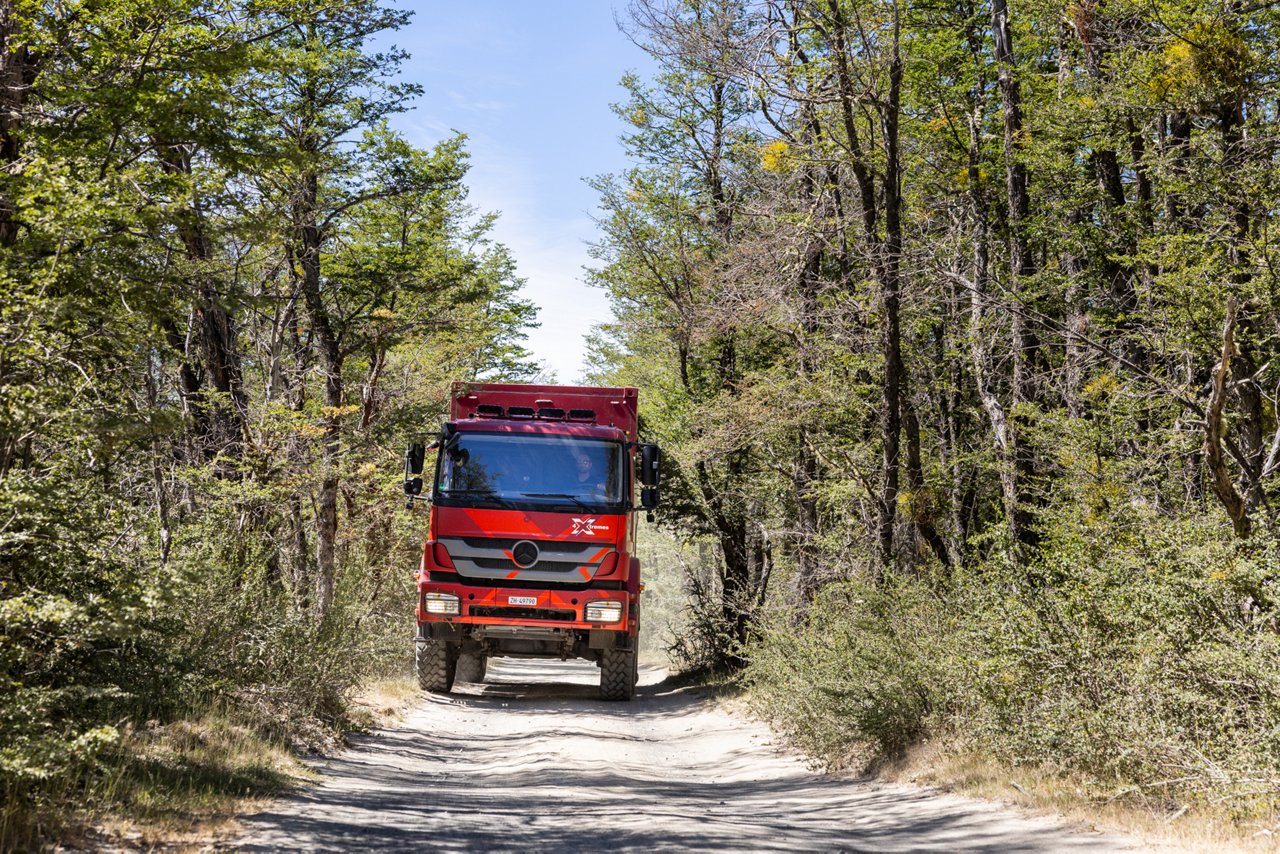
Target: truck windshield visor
506 469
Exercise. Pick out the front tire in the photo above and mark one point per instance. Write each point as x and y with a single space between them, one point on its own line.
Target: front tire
618 671
471 667
437 666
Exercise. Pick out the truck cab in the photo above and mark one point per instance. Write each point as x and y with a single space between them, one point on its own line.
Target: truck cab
531 536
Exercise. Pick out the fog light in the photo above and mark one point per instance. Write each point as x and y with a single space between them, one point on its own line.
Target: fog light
441 603
604 611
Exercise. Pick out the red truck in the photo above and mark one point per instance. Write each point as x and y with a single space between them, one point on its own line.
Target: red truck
530 548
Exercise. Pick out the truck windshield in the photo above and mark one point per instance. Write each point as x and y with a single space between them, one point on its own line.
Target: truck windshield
521 469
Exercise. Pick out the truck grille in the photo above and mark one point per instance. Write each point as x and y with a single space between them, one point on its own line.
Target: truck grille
508 613
490 559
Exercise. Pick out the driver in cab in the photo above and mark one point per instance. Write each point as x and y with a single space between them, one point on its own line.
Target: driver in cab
587 483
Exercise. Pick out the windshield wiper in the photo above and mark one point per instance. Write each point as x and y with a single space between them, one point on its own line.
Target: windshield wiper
487 494
576 500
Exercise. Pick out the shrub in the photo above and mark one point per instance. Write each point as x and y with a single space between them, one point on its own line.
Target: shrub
1149 663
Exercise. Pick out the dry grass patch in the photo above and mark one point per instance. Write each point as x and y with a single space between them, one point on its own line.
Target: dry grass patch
384 702
937 765
172 787
184 783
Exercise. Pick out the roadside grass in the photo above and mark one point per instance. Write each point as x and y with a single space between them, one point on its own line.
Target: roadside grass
383 702
1150 819
723 684
937 764
180 786
177 776
174 786
948 766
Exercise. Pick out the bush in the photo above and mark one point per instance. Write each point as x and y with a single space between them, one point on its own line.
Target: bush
857 679
1150 664
95 646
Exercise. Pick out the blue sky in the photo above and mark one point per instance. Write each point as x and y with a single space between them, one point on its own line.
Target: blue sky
530 83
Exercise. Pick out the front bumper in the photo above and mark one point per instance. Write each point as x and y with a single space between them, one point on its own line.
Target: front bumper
494 606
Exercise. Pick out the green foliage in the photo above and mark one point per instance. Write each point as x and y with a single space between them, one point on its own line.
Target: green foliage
1142 656
167 413
1023 546
1154 657
860 677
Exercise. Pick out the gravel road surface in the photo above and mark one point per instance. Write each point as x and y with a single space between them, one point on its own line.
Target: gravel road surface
532 761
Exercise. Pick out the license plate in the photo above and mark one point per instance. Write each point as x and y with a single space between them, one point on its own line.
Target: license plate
522 600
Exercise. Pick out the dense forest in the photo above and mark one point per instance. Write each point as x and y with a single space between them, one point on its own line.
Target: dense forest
957 321
230 291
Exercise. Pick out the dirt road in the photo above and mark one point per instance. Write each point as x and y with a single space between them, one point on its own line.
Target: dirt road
531 761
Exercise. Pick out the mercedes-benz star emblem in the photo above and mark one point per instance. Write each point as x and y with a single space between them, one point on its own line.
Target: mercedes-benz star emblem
525 554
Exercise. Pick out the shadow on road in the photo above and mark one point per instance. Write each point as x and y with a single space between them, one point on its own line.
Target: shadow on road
532 761
571 686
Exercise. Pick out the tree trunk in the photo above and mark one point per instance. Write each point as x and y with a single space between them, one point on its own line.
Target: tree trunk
331 358
891 285
804 466
158 457
1215 429
887 255
1021 266
227 425
369 391
923 511
1244 367
18 68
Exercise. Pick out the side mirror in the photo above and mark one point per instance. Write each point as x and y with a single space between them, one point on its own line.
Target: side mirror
414 457
650 457
649 497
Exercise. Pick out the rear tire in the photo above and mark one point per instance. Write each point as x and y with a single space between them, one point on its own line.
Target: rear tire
437 665
618 674
471 667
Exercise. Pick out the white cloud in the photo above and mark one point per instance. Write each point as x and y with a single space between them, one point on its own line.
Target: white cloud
550 252
471 105
531 89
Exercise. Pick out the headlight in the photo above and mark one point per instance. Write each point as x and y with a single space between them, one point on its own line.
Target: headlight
604 611
441 603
